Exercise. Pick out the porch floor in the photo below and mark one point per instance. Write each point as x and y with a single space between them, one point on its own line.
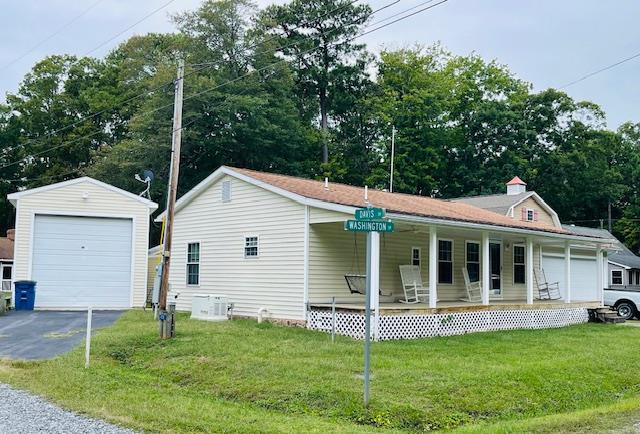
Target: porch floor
391 308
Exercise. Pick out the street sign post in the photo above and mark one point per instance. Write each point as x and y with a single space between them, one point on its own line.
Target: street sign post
368 220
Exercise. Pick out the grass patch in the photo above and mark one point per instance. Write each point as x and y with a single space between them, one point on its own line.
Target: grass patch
241 376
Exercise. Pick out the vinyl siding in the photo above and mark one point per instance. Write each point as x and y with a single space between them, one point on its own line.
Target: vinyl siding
274 280
543 216
100 201
334 252
318 215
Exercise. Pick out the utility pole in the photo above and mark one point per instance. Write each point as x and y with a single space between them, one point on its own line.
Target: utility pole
393 152
167 324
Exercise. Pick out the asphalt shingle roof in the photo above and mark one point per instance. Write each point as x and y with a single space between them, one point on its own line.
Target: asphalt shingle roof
348 195
498 203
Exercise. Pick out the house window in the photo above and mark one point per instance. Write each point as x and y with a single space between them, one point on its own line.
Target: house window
616 277
630 280
473 260
445 261
415 256
518 265
6 272
226 191
193 264
531 215
251 247
637 277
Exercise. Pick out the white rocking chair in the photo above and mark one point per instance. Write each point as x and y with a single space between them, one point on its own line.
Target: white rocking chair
474 289
414 291
546 290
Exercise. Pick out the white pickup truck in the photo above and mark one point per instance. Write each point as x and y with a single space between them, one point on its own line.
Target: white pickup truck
626 302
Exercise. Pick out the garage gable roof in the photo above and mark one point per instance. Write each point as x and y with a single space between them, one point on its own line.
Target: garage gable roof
14 197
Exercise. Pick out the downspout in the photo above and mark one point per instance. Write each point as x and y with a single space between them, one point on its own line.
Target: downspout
261 313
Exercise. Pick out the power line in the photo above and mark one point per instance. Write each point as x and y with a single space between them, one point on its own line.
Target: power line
153 12
254 71
598 71
159 87
52 35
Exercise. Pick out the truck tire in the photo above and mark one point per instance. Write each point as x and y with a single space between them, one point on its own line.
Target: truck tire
626 309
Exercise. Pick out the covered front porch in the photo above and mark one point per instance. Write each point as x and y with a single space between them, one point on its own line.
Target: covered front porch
506 265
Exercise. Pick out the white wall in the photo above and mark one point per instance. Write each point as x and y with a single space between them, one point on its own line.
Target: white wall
68 200
274 280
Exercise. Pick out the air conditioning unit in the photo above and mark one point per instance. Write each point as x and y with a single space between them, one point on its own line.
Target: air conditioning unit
209 307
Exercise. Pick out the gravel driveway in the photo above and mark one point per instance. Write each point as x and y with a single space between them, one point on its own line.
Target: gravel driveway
23 413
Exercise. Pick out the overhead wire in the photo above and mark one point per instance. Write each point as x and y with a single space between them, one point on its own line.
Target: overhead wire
147 16
154 89
52 35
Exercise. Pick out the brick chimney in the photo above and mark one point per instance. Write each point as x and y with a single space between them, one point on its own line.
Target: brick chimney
11 234
516 186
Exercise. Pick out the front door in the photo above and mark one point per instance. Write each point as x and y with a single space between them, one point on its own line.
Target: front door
495 266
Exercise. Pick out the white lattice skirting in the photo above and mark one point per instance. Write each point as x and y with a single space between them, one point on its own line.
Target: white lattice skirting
446 324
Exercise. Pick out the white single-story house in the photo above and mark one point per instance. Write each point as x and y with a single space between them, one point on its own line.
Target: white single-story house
84 242
275 246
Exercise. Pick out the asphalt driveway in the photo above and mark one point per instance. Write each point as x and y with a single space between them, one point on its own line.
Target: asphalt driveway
37 335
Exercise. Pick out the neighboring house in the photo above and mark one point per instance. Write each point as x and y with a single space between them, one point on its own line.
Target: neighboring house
276 245
6 260
624 270
529 208
85 244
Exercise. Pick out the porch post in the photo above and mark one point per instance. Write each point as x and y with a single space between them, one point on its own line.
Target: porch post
486 271
305 278
567 271
433 267
599 278
529 274
375 281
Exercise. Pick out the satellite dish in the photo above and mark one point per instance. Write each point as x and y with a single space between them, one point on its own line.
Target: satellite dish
148 174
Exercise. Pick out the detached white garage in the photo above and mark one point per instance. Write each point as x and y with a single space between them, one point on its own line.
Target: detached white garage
84 242
584 276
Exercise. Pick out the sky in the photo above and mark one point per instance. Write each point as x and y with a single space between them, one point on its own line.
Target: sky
548 43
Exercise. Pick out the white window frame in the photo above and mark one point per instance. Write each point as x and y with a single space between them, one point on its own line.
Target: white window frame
523 263
257 246
533 214
419 250
621 277
198 263
466 257
453 267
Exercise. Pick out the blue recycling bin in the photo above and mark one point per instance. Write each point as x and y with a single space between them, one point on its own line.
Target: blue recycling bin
25 295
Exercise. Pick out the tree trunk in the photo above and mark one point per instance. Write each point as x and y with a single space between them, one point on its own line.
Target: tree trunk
324 124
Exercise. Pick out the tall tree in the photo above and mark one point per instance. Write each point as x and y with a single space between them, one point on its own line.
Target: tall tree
316 36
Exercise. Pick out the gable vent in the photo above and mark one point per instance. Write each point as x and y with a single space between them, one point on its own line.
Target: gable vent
226 191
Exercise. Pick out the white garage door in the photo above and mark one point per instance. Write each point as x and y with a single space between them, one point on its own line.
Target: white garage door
82 261
584 277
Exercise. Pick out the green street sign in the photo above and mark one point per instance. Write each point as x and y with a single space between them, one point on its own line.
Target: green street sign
368 226
369 213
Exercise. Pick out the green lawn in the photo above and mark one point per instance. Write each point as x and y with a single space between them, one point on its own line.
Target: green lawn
241 376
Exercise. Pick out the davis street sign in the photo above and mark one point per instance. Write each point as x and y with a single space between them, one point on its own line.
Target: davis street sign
368 226
369 213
